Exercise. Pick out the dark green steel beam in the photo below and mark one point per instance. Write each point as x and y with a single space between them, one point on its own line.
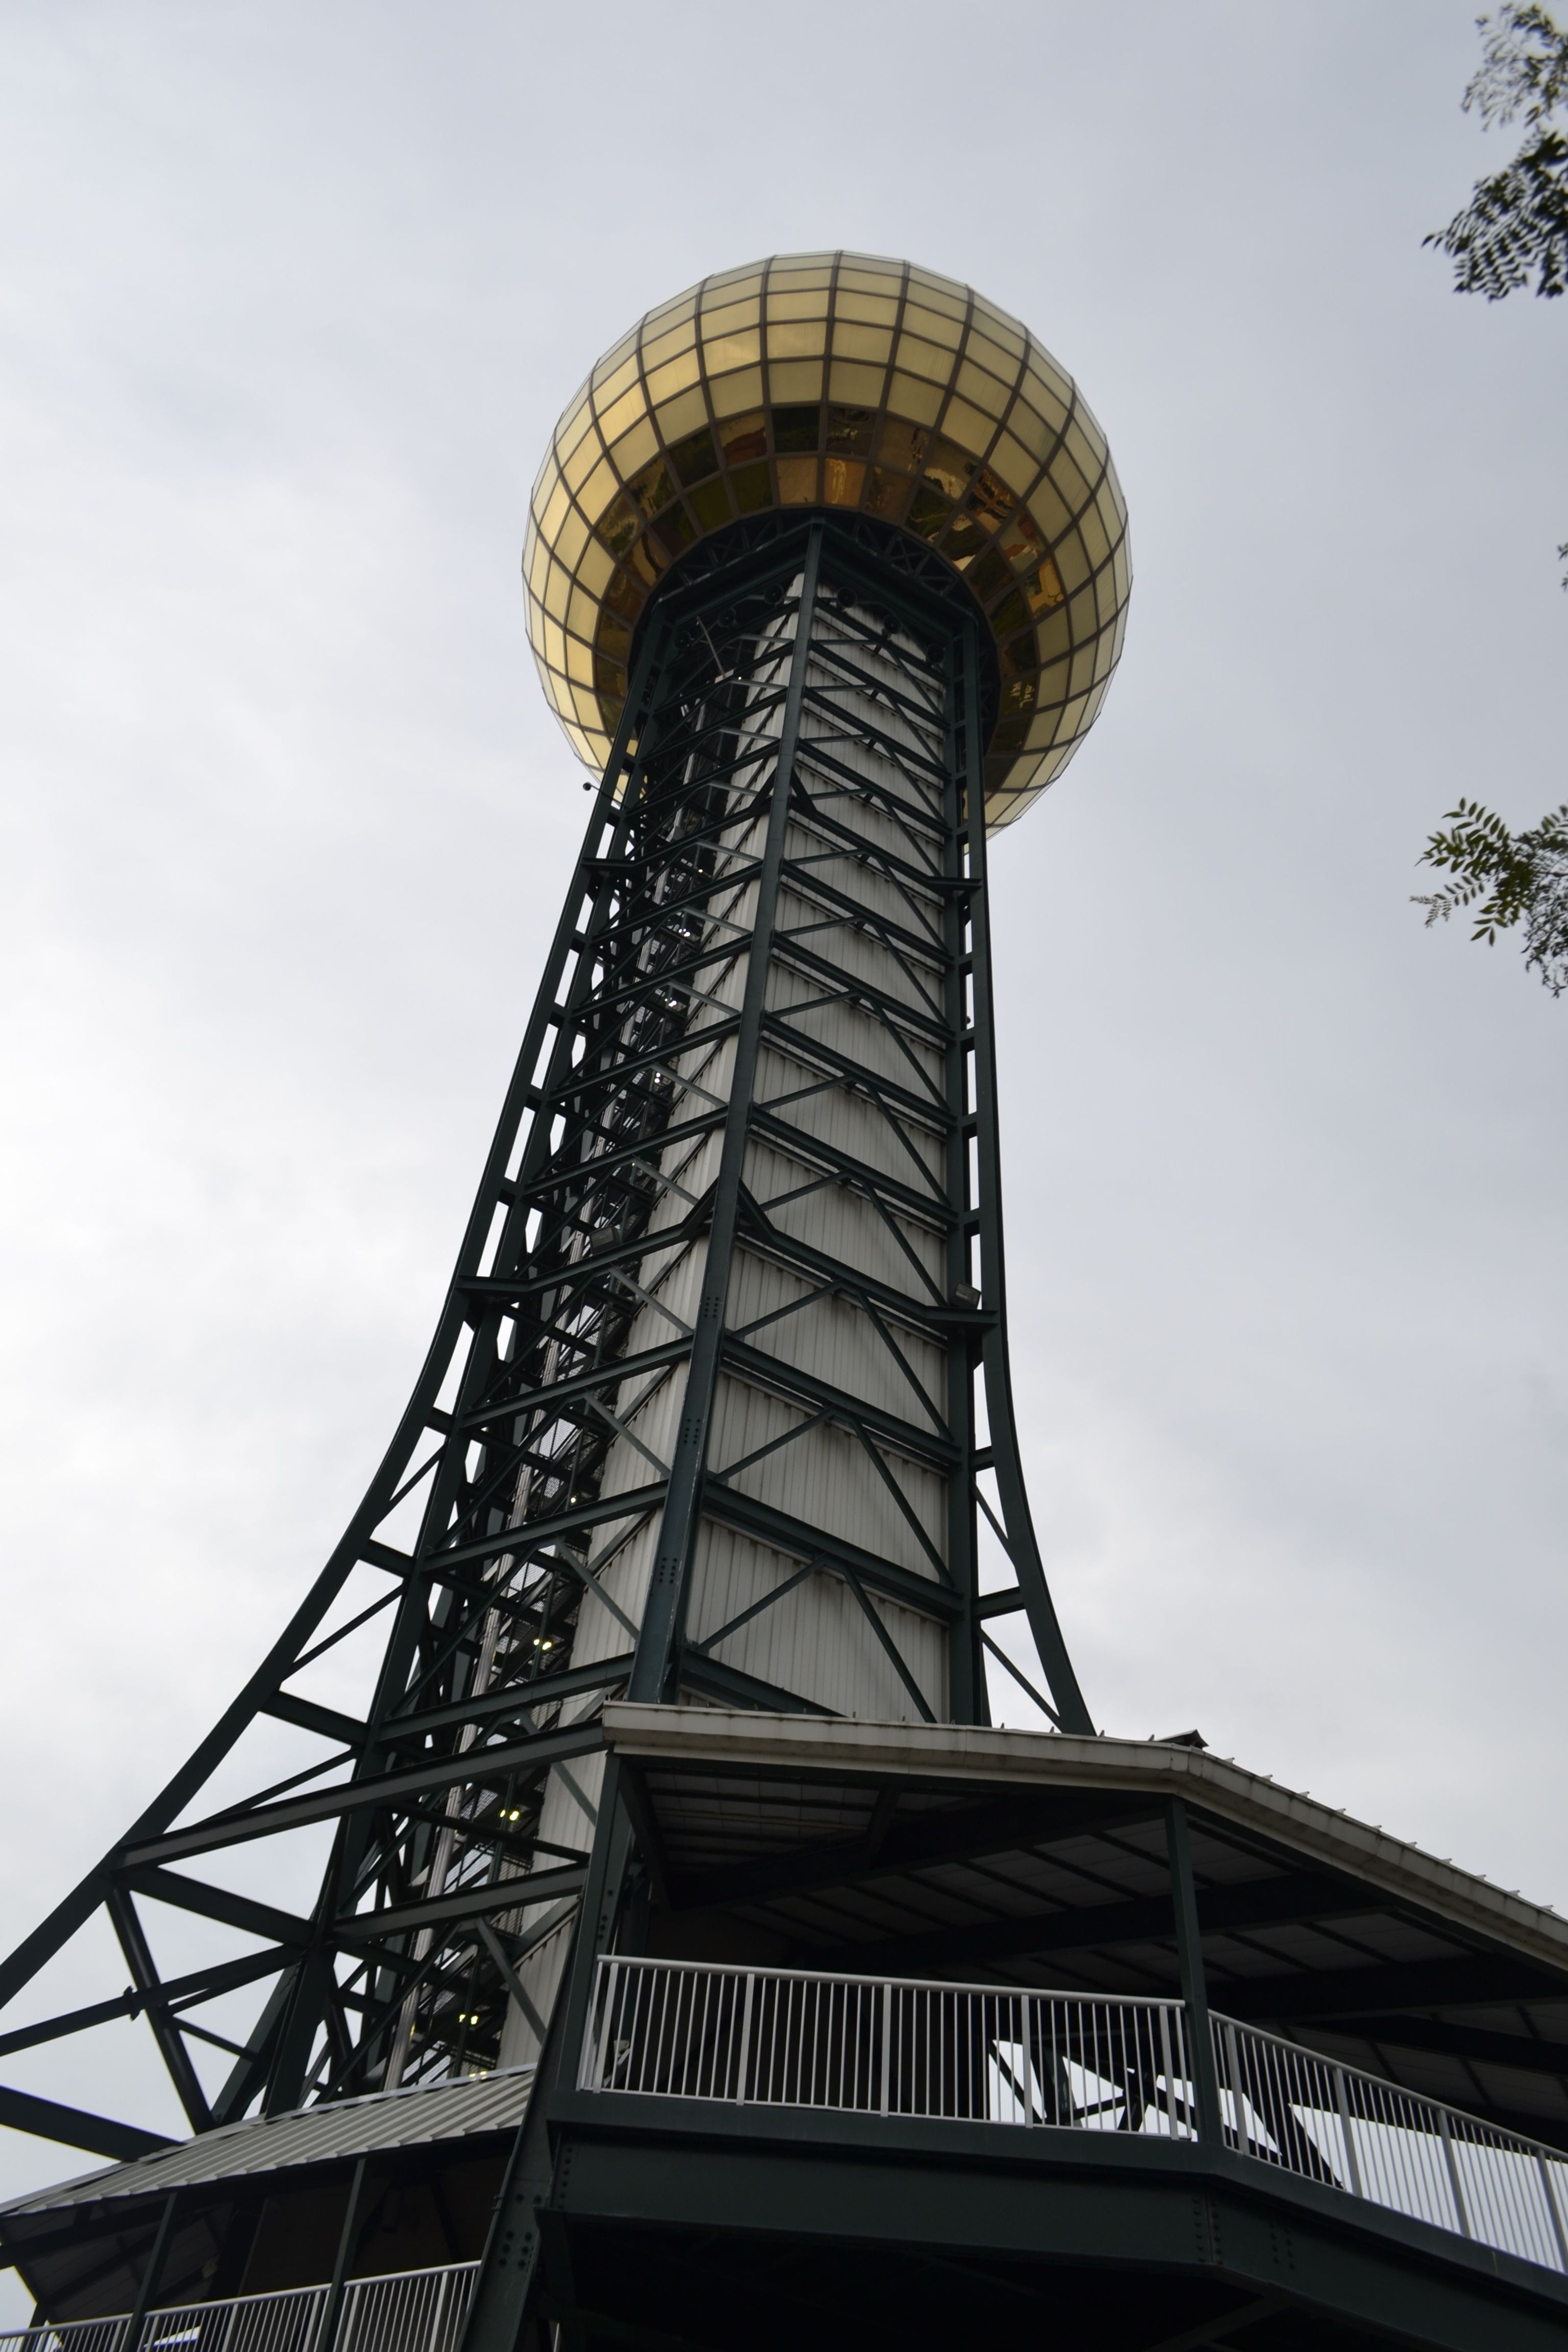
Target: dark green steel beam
799 1540
531 1533
345 1730
362 1796
464 1903
100 2135
241 1911
1524 2054
929 1206
1377 1988
967 1833
593 1377
1256 1903
180 1993
763 1371
515 1698
710 1677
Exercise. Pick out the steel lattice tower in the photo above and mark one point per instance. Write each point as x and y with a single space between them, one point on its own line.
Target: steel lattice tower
670 1805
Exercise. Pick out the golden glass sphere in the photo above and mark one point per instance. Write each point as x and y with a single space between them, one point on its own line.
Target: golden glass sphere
839 381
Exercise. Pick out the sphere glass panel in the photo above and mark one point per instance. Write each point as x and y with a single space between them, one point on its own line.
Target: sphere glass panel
851 383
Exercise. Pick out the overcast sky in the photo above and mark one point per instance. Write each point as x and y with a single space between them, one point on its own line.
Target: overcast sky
291 296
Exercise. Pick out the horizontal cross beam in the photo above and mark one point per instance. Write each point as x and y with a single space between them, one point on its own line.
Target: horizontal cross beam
464 1903
359 1796
74 2128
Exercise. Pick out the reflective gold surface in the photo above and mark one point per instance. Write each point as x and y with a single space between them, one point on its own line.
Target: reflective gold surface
838 380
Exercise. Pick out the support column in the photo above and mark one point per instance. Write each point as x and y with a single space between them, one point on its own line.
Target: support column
149 2286
348 2239
1189 1959
1070 1710
509 2273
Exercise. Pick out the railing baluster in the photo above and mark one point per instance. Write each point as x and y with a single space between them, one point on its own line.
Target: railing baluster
1453 2182
1347 2125
812 2076
745 2035
1169 2068
629 2006
1237 2100
591 2071
707 2035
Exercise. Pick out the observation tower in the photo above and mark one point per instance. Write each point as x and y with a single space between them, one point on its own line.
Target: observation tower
610 1916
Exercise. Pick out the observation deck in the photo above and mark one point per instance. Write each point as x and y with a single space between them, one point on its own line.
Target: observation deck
949 2019
1010 2089
1006 2023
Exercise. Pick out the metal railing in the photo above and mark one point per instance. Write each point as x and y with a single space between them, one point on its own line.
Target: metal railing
70 2336
413 2311
1288 2107
406 2311
996 2054
287 2321
887 2046
953 2053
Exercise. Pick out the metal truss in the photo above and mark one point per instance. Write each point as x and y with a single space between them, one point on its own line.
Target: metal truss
676 1033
